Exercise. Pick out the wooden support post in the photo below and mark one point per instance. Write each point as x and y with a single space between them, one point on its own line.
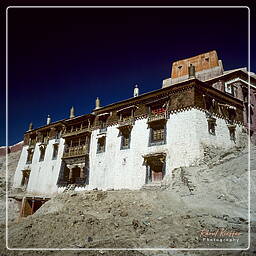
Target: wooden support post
22 206
33 206
81 172
70 173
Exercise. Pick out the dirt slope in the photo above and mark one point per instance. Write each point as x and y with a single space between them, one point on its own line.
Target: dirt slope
209 196
13 159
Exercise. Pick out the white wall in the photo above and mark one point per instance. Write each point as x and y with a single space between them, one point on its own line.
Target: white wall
187 133
44 174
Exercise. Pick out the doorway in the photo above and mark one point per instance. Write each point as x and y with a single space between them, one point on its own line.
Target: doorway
155 167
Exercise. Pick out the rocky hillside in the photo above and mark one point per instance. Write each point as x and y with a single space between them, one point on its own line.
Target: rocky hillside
13 159
208 197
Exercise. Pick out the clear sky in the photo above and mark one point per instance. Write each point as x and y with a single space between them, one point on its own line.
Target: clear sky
60 58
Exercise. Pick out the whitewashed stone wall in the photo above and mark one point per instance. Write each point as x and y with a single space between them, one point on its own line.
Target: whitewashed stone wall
44 175
187 134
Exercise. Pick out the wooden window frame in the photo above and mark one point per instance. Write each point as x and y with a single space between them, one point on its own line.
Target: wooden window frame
162 133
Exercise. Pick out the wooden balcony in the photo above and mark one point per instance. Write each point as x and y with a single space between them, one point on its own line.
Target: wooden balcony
126 122
157 117
76 131
76 151
77 181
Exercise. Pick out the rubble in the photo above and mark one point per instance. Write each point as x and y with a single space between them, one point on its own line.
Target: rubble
170 216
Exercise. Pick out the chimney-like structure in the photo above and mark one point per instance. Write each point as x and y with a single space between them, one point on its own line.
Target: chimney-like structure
191 71
97 103
136 91
202 67
72 112
48 121
30 127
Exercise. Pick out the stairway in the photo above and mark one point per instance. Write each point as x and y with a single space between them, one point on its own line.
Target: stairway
70 187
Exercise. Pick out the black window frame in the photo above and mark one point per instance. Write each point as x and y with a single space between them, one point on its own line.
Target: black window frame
153 142
42 153
103 149
55 155
123 137
31 151
211 126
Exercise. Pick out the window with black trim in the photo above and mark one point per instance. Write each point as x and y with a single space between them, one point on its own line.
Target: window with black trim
55 151
211 125
229 88
25 178
42 153
101 144
232 132
30 156
157 134
103 125
125 141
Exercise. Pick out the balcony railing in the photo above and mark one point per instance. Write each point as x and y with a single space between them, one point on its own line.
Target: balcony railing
75 181
125 122
80 181
76 151
156 117
76 131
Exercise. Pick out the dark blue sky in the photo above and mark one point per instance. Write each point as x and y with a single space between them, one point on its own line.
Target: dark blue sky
64 57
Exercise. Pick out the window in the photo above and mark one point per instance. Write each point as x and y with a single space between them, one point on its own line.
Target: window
232 135
157 110
103 126
211 125
25 178
229 88
157 134
55 151
101 144
32 142
30 155
58 135
232 132
45 139
125 141
42 153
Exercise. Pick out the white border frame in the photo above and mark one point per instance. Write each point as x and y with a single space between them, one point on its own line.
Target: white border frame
128 249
